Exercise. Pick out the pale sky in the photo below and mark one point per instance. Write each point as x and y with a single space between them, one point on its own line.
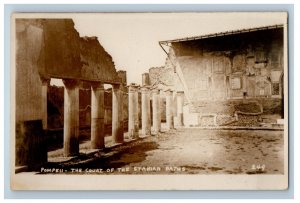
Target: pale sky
132 39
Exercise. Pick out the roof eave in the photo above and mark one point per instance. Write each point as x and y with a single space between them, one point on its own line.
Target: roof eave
166 42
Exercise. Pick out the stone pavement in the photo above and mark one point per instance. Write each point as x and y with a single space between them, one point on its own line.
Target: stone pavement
186 151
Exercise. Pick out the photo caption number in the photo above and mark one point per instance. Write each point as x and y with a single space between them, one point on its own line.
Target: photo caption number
260 167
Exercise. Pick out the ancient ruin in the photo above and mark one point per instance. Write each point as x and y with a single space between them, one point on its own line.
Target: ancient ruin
52 48
226 76
218 80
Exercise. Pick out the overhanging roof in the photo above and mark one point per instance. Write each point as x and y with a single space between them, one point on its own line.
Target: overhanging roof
232 32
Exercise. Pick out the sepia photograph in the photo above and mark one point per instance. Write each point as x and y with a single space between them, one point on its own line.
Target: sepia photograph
149 101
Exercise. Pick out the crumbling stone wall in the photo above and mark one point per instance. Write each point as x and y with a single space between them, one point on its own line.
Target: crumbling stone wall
61 51
52 48
29 43
66 55
30 146
219 73
97 64
47 48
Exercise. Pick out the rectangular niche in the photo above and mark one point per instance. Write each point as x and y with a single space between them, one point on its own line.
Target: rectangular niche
236 83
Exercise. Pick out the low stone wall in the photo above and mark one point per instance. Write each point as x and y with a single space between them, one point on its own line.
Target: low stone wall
270 106
251 112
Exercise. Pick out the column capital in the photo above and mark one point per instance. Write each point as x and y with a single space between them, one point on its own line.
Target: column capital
116 86
145 89
155 91
45 81
168 91
70 83
97 85
132 87
180 92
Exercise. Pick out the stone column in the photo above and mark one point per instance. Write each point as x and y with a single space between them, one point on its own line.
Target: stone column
117 114
71 117
45 85
97 117
180 100
169 112
137 112
146 114
133 111
156 111
160 103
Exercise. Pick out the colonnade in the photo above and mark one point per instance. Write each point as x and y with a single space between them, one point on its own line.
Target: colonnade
71 113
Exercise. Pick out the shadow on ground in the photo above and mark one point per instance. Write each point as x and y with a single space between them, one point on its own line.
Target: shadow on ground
108 158
194 150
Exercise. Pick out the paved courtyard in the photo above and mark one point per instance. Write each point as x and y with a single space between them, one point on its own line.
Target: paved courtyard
189 151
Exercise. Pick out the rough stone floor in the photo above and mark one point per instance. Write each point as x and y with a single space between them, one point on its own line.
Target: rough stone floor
187 151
